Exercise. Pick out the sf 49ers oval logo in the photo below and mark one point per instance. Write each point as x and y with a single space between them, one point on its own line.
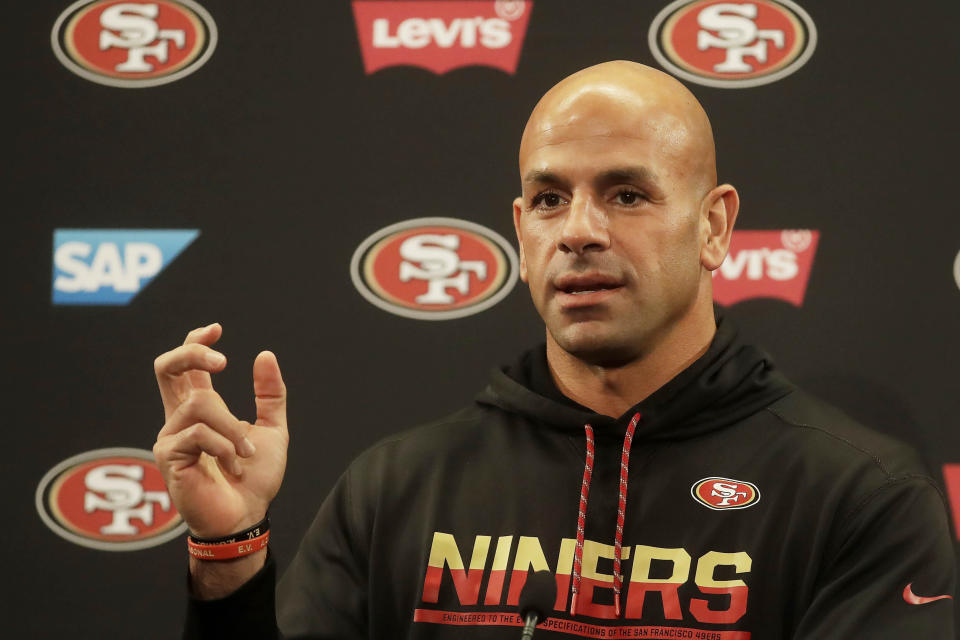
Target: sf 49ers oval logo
732 44
720 494
109 499
124 43
434 268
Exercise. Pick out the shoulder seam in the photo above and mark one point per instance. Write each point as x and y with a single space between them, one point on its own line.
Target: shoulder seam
892 481
876 459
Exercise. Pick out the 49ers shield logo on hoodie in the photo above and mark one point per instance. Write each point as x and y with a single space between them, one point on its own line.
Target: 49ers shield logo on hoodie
131 44
720 494
434 268
732 44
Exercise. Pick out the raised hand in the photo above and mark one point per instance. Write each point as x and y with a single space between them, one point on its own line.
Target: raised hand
221 472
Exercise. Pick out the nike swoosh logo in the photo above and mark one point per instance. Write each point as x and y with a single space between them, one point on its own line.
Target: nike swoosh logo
912 598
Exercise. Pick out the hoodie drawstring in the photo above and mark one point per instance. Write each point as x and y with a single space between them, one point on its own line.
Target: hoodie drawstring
582 518
621 510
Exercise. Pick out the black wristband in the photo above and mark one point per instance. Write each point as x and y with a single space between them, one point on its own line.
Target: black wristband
255 531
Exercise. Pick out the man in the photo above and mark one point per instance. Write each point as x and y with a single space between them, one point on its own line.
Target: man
673 482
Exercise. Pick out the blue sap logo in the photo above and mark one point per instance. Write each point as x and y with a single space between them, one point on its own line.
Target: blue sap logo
111 266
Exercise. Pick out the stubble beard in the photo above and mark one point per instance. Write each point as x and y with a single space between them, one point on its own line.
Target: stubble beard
598 345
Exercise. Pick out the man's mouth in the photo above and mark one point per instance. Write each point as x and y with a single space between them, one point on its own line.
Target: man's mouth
582 286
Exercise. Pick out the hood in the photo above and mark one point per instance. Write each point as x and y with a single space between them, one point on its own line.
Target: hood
729 382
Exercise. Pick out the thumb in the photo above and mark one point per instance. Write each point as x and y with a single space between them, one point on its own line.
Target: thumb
271 393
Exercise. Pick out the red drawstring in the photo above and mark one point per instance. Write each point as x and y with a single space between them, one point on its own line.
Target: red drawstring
621 510
582 519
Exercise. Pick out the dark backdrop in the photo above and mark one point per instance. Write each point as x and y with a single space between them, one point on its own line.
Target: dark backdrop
285 156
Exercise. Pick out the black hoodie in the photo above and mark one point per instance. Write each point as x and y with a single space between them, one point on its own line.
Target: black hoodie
750 510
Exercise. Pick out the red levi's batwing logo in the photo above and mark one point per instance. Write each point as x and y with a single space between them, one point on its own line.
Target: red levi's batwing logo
766 264
951 478
441 35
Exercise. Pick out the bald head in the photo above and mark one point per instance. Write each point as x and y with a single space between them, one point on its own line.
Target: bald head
627 99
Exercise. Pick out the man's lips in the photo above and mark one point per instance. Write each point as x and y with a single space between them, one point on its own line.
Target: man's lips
580 290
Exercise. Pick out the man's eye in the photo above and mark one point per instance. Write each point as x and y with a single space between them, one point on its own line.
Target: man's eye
629 197
548 200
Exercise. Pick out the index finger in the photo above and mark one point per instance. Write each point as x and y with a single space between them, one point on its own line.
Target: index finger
187 367
206 336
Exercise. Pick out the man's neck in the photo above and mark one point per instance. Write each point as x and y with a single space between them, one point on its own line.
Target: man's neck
611 391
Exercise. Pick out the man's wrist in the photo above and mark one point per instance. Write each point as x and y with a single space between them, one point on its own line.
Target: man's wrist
213 579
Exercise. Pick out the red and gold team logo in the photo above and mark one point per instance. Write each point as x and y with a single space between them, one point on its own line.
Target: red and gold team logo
109 499
732 45
434 268
720 494
134 44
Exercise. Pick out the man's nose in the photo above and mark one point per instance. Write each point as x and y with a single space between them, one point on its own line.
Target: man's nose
584 227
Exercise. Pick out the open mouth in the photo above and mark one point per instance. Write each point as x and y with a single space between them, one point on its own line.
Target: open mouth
578 291
586 284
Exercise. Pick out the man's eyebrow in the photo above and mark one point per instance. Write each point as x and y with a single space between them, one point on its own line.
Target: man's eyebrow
610 176
542 177
627 174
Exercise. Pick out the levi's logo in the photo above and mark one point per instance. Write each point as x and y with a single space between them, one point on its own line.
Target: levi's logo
951 479
766 264
441 35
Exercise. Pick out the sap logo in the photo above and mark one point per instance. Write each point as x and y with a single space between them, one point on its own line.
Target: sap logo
135 43
766 264
441 35
732 44
110 267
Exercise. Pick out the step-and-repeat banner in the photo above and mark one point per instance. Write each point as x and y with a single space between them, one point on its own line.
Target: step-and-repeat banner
332 180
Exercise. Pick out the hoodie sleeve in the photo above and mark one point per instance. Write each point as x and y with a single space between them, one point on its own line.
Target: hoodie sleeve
248 612
892 573
323 593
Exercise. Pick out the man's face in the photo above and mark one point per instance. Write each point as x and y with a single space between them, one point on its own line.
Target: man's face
609 227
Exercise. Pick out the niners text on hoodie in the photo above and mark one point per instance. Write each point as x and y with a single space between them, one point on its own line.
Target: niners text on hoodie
750 511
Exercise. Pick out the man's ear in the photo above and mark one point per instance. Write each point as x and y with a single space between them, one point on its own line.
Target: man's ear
517 212
718 214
